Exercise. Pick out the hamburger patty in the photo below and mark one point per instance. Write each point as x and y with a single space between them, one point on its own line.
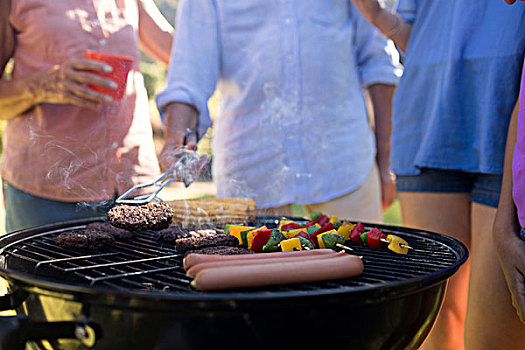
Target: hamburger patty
149 216
221 250
91 240
176 231
106 227
191 243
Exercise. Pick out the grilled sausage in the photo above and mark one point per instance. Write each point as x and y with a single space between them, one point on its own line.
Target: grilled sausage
309 270
195 269
194 259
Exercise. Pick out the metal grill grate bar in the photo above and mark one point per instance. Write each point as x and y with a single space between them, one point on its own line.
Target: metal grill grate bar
131 274
83 257
120 263
145 263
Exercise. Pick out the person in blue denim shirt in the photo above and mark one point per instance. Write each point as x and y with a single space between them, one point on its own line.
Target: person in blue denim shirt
292 125
451 113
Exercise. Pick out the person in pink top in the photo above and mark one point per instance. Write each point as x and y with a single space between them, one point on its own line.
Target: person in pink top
67 149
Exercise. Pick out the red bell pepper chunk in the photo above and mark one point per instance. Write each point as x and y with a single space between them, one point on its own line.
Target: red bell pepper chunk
305 235
322 220
310 223
325 228
290 226
260 238
313 236
355 234
374 238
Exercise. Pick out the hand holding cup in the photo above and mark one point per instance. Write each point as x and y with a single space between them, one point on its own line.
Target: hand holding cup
67 83
121 66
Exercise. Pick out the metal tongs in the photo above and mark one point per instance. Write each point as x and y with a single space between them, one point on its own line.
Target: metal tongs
180 168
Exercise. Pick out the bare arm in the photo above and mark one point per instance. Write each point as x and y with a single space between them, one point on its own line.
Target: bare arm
7 34
180 117
8 91
381 97
388 23
156 34
63 83
510 248
506 217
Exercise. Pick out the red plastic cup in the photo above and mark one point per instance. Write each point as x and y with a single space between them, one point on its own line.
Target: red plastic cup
121 67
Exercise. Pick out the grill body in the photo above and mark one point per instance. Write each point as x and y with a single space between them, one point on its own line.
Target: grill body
392 305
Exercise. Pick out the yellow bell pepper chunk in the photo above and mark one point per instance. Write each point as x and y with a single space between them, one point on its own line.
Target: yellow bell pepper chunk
289 245
334 219
320 239
292 233
397 244
251 234
316 225
235 230
345 229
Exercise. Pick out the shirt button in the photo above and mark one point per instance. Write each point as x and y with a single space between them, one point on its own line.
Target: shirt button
103 42
96 22
287 20
290 97
289 57
114 144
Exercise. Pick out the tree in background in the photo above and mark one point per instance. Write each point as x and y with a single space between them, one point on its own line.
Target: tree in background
154 72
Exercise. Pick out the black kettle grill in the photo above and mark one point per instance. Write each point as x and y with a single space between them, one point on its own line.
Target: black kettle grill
135 295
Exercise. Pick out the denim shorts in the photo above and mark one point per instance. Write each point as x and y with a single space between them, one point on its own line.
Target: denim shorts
23 210
482 188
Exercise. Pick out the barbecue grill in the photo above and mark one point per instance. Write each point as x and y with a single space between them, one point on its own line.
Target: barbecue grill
135 295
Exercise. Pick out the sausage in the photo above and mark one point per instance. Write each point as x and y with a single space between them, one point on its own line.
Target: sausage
339 266
192 271
194 259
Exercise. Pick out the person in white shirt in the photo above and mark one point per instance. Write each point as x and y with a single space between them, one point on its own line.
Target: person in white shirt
292 125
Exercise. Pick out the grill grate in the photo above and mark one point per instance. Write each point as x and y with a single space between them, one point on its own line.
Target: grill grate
145 264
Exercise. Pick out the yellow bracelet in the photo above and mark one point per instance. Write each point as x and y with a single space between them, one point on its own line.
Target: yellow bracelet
395 28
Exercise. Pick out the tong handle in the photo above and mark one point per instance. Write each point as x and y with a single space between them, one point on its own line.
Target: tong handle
163 180
190 132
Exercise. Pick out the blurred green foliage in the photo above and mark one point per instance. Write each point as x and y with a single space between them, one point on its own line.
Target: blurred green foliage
155 72
168 9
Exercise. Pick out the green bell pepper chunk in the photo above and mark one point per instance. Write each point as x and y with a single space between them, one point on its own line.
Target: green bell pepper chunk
364 237
337 224
244 238
316 215
305 242
273 243
331 240
311 229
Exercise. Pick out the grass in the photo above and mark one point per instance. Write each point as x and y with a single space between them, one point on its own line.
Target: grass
391 216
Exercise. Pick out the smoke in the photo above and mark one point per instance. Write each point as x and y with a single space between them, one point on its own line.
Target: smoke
280 112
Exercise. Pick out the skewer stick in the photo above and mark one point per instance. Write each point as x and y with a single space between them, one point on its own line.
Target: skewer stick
343 246
401 245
